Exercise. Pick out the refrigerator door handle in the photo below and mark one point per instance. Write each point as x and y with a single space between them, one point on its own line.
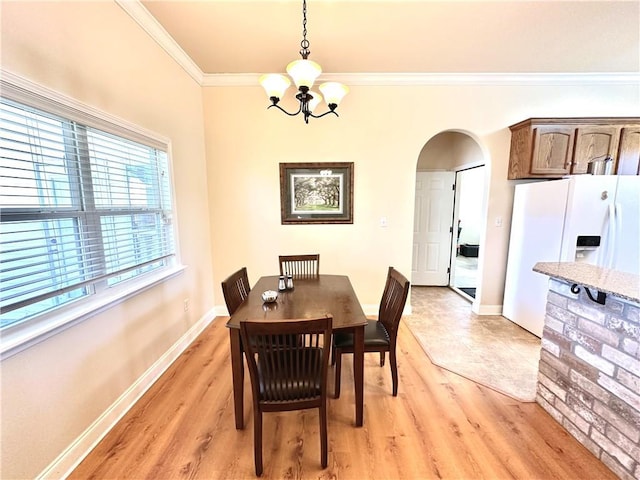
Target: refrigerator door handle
618 234
611 236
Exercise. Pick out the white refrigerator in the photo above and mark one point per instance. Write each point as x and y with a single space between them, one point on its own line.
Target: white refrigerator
583 218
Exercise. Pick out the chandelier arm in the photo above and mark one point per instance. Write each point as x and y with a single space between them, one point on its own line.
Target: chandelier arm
323 114
284 111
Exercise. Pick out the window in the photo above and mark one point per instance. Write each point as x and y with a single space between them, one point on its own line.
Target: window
83 210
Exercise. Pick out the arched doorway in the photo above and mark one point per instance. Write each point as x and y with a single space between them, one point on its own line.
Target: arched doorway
456 156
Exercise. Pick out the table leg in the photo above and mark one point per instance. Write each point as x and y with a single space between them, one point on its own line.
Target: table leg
358 373
237 371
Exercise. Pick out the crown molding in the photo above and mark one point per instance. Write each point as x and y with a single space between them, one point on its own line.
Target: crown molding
149 24
442 79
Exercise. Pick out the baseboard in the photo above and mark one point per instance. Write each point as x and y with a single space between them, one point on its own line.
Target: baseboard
71 457
371 309
487 309
476 307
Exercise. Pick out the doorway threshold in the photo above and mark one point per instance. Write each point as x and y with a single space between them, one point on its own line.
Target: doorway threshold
469 293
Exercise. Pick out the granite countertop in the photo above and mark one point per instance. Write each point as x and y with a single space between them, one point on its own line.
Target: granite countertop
620 284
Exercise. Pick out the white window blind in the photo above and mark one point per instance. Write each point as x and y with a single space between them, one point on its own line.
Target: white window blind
82 210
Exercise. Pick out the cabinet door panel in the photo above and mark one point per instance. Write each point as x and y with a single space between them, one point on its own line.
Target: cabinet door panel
592 143
552 150
629 152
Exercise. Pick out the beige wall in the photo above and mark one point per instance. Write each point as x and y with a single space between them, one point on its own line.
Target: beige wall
467 152
95 53
450 151
228 207
438 153
245 143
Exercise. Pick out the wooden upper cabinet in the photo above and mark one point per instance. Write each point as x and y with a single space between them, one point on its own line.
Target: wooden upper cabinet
629 151
552 150
592 143
555 147
540 149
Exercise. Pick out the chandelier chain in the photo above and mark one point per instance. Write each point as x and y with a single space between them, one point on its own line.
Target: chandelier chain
304 51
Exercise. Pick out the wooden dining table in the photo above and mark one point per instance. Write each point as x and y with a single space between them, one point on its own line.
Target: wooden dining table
310 297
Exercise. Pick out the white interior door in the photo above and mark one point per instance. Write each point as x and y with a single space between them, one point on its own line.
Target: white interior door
432 228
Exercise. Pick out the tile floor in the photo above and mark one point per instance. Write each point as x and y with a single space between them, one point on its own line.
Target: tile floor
488 349
466 270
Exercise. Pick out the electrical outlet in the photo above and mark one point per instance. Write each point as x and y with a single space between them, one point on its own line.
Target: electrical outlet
186 304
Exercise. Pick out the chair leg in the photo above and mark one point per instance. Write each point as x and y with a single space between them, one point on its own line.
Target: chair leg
382 359
257 440
324 443
336 390
394 370
333 355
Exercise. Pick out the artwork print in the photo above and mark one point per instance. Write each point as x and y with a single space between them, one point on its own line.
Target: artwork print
321 194
316 192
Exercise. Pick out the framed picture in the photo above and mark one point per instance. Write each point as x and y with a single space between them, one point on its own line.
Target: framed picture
316 193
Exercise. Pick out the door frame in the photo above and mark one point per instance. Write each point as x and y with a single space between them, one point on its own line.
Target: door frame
456 219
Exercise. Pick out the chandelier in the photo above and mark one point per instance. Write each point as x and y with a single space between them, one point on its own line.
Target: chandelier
303 72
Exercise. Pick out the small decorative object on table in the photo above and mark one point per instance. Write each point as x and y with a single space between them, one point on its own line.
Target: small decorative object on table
289 282
281 283
269 296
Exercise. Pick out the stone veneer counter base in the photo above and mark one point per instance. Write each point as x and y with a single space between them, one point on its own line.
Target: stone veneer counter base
589 371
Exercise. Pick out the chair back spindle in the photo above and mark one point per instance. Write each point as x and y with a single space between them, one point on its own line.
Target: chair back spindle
290 366
235 289
394 298
300 266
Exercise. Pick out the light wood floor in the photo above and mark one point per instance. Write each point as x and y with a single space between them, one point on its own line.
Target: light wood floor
440 426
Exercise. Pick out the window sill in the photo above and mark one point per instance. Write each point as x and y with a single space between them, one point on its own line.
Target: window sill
23 336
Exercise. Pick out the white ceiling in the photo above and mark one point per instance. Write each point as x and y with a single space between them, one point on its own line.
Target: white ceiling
409 36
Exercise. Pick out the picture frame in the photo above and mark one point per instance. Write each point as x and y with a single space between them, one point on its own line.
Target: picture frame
319 192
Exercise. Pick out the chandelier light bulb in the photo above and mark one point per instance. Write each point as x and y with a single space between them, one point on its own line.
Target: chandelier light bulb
274 84
333 92
304 72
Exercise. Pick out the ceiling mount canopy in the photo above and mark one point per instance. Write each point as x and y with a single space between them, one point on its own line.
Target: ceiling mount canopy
304 73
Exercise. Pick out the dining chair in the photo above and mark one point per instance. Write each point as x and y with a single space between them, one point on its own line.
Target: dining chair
300 266
235 289
288 375
379 335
